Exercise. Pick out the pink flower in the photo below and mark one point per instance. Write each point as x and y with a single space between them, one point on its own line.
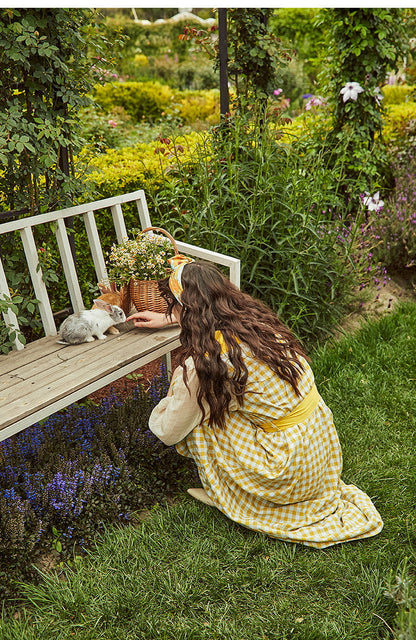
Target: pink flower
112 123
315 101
277 92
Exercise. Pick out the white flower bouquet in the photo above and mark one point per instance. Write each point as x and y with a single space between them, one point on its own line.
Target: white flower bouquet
144 258
137 265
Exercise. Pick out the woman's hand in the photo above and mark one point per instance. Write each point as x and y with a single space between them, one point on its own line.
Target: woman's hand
151 320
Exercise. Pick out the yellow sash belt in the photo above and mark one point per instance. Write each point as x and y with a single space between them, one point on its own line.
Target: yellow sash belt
302 411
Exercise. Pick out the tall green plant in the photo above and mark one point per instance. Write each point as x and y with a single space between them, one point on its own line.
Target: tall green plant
255 54
252 197
45 74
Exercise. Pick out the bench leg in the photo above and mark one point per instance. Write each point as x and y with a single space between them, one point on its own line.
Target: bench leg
167 360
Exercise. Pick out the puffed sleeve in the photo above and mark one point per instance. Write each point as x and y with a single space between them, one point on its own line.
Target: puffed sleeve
176 415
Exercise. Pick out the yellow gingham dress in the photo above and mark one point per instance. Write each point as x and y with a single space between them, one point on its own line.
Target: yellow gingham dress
285 484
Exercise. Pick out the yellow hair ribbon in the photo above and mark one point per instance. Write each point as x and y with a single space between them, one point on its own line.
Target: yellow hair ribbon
177 264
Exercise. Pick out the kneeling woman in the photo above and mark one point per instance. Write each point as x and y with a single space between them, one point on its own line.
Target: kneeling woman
243 404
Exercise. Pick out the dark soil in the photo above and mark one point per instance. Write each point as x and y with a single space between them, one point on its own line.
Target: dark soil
123 387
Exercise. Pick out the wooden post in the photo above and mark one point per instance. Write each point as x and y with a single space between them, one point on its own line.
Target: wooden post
223 59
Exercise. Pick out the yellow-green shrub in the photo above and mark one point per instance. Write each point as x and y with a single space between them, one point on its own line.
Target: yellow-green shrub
144 166
199 106
398 93
399 124
141 100
315 120
152 100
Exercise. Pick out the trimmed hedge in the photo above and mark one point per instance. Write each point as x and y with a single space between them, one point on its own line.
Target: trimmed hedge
199 106
152 101
141 100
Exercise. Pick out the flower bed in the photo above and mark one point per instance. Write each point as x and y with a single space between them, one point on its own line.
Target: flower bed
62 480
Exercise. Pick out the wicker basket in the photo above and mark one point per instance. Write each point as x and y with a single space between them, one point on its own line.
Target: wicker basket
144 294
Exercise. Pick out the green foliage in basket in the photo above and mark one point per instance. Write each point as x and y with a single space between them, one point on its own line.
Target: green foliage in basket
144 258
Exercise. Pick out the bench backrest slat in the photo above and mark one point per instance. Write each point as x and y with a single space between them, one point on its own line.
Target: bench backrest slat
9 316
212 256
143 213
118 221
69 266
43 218
95 246
39 286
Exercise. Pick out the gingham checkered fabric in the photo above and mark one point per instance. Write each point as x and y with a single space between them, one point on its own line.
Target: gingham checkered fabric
285 484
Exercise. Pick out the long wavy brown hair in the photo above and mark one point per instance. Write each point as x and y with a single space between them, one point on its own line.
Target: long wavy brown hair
210 303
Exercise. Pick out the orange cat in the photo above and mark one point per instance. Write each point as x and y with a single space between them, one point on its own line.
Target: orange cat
111 295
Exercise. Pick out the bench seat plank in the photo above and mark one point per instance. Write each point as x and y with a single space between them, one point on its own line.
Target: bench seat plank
44 380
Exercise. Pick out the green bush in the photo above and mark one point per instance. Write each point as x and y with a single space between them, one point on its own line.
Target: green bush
147 101
141 100
398 93
105 131
195 74
296 27
46 70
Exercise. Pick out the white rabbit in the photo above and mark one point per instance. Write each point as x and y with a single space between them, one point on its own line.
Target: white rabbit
110 294
83 326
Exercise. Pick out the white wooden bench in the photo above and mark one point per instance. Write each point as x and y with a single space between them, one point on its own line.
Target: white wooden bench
43 377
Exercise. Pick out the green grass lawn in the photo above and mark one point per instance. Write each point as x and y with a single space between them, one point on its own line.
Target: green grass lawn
188 573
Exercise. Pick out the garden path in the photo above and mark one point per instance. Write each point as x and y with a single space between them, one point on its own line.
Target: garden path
400 288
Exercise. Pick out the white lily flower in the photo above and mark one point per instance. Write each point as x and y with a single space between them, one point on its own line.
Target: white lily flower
351 91
373 203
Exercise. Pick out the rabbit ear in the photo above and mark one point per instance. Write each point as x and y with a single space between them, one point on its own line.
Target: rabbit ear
100 304
103 288
108 288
